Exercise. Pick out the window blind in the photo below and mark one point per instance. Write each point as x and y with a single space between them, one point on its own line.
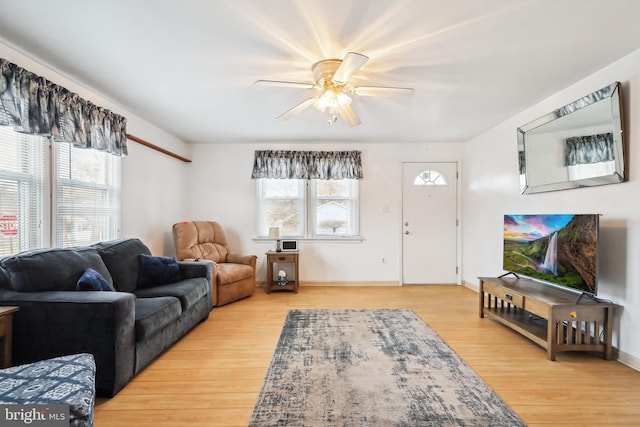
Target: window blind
87 195
22 191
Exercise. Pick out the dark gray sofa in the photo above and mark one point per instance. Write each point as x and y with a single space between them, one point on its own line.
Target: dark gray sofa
124 330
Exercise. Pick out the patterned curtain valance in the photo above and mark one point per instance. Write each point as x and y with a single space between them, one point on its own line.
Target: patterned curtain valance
34 105
307 165
583 150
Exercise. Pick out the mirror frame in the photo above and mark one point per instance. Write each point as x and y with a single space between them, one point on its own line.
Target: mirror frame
611 93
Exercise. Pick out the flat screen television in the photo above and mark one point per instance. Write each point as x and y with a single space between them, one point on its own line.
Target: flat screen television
557 249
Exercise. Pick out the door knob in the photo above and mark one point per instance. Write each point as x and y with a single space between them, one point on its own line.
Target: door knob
406 224
406 232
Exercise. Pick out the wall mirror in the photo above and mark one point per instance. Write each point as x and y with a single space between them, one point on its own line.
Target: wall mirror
578 145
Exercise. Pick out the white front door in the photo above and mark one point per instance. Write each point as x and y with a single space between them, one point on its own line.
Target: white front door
429 223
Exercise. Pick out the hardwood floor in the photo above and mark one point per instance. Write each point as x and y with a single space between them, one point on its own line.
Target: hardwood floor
213 375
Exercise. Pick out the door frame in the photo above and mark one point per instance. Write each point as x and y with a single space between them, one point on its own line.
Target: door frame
458 164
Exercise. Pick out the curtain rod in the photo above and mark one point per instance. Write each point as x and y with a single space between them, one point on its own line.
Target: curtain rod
157 148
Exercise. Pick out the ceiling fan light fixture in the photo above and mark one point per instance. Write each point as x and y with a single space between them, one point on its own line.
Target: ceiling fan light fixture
332 89
324 70
332 99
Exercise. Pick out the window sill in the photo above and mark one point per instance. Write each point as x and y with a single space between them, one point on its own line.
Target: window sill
347 239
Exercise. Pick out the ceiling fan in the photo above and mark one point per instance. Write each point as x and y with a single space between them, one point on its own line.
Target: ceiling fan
332 89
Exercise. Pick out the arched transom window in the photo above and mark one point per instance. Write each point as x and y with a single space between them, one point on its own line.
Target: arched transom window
430 177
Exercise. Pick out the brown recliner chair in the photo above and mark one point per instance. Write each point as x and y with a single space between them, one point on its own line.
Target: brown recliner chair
234 275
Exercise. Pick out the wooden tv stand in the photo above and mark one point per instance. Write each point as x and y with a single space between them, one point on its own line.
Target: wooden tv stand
548 316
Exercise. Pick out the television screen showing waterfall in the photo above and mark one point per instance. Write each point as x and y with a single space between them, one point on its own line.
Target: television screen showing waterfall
557 249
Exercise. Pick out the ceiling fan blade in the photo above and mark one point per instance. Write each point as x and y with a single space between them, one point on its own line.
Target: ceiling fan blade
295 110
382 91
351 63
349 116
284 84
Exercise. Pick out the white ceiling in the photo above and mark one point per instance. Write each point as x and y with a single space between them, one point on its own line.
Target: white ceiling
188 66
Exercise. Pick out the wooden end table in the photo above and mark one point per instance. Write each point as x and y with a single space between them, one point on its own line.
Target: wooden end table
6 333
290 257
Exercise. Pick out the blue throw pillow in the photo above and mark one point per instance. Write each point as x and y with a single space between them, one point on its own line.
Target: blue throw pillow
157 270
91 280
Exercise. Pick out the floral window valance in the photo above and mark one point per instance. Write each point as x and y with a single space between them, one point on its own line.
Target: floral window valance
583 150
307 165
34 105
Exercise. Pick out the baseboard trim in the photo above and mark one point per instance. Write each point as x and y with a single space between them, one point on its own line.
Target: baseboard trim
350 283
471 286
339 283
629 360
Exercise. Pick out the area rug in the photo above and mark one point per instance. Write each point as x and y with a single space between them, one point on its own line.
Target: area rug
353 368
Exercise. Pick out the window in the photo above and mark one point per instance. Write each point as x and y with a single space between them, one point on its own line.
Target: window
429 178
82 184
22 197
282 203
334 207
308 208
87 208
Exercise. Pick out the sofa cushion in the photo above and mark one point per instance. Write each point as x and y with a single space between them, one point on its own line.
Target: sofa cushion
4 279
66 380
91 280
188 291
229 273
52 269
157 270
153 314
121 258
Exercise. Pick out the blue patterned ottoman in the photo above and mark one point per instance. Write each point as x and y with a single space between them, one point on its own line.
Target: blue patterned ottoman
68 380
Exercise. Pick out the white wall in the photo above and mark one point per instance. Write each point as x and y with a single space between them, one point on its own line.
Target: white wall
155 190
222 190
153 184
491 189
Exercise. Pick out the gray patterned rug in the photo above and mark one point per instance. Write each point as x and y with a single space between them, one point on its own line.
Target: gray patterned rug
353 368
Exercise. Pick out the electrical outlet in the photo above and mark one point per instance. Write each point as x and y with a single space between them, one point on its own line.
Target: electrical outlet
382 260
